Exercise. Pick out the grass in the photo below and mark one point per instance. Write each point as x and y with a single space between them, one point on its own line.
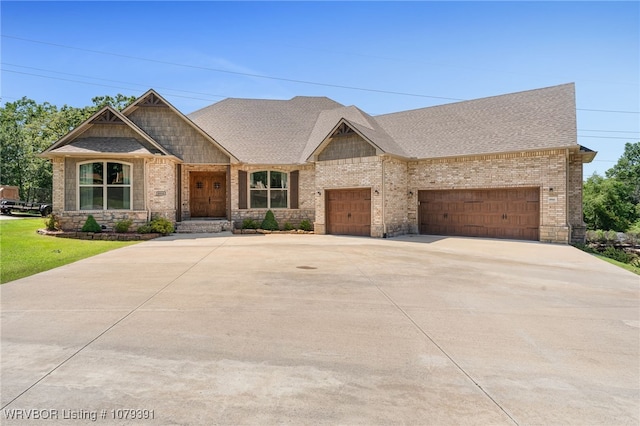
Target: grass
622 265
626 266
24 252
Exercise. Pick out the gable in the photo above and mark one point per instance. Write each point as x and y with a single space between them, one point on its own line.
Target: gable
107 116
107 131
174 131
343 143
174 134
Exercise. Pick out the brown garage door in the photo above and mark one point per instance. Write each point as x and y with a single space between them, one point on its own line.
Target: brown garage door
492 213
349 212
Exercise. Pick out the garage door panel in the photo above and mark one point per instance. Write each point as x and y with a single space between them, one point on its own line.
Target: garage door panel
494 213
349 212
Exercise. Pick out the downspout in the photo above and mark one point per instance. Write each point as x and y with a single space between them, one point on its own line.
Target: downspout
146 188
178 201
566 191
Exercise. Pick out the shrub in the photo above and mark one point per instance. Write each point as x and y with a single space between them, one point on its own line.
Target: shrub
600 236
91 225
288 226
585 248
144 229
305 225
51 223
591 236
123 225
161 226
619 255
249 224
269 223
158 225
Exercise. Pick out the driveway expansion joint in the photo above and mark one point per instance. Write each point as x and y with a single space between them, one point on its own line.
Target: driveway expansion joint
63 362
440 348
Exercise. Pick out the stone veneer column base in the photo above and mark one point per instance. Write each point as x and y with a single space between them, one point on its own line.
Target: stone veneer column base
74 220
555 234
578 234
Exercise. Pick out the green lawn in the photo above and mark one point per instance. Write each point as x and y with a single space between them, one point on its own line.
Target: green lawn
24 252
626 266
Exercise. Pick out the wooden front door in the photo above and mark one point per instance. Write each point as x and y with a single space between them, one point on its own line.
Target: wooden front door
208 194
348 212
493 213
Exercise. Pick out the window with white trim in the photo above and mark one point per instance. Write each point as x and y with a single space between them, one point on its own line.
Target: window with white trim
104 185
268 190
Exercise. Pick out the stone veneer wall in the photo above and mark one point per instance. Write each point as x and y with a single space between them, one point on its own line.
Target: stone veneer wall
306 196
364 172
544 169
74 220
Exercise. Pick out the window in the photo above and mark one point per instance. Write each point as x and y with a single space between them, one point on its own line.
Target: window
104 185
268 190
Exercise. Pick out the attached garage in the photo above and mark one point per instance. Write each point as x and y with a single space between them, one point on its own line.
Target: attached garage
493 213
349 211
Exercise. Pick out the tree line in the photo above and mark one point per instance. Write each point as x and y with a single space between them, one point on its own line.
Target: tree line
27 128
612 202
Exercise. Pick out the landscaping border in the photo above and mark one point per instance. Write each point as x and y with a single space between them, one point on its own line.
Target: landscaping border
102 236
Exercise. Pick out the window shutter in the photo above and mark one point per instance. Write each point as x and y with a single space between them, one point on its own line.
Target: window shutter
293 181
242 189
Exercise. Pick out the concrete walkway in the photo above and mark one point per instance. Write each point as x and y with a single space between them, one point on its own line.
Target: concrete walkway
309 329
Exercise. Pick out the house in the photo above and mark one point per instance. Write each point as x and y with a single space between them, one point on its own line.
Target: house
507 166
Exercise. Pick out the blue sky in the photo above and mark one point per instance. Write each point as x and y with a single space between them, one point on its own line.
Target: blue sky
428 53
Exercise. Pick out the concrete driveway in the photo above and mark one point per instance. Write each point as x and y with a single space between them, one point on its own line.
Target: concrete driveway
309 329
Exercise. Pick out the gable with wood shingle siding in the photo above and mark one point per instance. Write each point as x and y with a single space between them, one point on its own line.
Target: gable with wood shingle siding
173 133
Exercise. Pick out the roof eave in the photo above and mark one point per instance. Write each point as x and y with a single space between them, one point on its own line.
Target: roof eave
118 155
446 157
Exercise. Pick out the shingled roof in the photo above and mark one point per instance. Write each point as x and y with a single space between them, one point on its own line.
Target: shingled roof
523 121
263 131
289 132
95 145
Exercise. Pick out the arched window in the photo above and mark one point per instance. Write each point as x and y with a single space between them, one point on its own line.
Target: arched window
269 190
104 185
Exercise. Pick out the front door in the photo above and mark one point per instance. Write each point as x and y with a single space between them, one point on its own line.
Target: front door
208 194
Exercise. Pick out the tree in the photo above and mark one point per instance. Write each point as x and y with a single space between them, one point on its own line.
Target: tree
606 204
28 128
627 170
